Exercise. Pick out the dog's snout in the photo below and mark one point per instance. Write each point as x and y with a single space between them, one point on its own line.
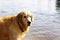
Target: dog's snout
29 23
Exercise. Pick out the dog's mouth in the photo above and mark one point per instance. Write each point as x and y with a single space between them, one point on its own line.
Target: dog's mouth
28 23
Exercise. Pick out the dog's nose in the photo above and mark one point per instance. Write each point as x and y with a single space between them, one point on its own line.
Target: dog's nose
29 23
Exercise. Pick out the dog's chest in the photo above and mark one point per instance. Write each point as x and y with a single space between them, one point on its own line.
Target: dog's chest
15 35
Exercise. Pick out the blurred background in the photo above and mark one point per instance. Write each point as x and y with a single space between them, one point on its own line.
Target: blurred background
46 25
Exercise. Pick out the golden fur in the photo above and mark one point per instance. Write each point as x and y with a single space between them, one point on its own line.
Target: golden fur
14 27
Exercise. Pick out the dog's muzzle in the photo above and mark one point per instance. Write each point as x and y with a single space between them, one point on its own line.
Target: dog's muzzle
28 23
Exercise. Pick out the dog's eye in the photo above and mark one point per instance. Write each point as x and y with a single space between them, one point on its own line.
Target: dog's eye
25 16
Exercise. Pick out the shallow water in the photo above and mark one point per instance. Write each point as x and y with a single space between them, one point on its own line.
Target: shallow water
45 27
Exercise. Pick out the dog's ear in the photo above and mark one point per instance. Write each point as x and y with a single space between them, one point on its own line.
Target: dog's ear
19 16
32 18
20 21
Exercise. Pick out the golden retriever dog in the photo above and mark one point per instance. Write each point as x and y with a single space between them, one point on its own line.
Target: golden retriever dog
15 27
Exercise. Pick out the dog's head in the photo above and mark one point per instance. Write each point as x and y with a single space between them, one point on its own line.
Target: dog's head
25 18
